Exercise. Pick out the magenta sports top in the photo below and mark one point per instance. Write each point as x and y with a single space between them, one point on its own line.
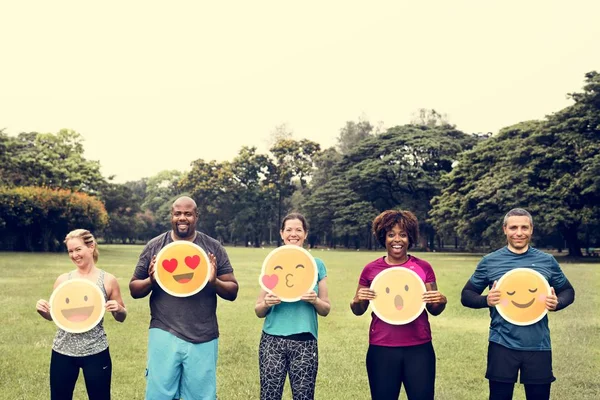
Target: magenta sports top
418 331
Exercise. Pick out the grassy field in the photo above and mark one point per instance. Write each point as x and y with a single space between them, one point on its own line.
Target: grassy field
459 334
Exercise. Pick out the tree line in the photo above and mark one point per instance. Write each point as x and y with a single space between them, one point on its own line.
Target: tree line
458 184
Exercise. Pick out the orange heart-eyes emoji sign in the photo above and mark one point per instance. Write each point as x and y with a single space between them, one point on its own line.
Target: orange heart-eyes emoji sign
288 272
77 305
182 268
523 296
399 295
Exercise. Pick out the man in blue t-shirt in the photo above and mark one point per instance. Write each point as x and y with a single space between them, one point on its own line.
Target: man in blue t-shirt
513 348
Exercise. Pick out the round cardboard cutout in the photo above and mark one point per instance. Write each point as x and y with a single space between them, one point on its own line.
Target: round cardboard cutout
77 305
523 298
399 295
182 268
289 272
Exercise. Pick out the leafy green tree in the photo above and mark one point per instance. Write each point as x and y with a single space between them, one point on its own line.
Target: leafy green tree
123 208
352 133
402 168
210 185
160 188
50 160
38 219
549 167
293 166
255 197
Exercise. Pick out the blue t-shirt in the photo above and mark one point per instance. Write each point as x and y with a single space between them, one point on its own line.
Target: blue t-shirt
286 319
491 268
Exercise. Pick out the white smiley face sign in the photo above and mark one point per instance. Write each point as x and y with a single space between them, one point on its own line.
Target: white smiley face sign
77 305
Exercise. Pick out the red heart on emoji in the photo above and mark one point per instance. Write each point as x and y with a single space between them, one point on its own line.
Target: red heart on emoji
270 281
170 265
192 261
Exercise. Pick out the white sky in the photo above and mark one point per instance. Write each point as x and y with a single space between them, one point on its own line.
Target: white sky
154 85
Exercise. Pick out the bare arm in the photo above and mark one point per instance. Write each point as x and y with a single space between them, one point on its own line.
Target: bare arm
360 303
115 302
264 303
320 301
42 306
142 287
225 285
436 301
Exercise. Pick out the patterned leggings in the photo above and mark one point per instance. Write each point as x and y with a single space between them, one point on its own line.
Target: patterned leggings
278 357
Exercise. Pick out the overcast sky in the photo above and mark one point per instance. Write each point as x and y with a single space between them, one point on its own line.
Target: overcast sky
155 85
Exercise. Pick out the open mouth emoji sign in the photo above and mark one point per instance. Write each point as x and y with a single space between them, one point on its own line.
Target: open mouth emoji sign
182 268
288 272
399 295
77 305
523 298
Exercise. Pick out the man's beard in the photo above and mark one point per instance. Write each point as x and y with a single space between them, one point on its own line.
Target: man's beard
185 233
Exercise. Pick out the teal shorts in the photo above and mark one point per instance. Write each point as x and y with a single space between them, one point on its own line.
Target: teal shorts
179 369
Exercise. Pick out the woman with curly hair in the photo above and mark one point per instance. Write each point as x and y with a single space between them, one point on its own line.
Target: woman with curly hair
399 354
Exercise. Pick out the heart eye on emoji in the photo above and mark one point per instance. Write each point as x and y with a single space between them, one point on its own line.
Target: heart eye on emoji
192 261
184 268
170 265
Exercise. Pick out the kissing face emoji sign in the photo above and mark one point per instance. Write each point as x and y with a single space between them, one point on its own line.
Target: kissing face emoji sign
399 295
523 296
288 272
182 268
77 305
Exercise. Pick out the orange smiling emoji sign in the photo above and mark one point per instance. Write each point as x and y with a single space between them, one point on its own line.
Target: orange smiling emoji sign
523 298
77 305
288 272
399 295
182 268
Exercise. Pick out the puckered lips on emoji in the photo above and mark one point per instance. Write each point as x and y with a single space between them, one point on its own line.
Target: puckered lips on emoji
399 295
77 305
523 296
288 272
182 268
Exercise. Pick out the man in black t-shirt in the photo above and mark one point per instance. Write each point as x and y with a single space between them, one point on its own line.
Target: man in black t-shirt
183 337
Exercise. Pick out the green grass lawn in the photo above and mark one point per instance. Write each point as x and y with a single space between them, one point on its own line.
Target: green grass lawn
459 334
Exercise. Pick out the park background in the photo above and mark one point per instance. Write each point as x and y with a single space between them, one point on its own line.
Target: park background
458 176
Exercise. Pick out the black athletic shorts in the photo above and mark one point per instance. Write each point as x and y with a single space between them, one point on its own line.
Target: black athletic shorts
503 365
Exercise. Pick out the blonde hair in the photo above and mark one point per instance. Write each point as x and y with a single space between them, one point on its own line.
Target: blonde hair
87 238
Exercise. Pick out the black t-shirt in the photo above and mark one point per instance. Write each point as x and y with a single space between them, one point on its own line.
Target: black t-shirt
193 318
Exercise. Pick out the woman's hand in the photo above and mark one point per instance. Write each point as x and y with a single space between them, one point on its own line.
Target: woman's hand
365 294
271 300
43 308
112 306
310 297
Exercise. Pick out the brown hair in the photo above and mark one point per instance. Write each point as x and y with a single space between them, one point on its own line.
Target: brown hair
384 222
87 238
295 215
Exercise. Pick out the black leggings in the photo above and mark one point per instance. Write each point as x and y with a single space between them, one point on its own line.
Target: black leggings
64 370
389 367
504 391
278 357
